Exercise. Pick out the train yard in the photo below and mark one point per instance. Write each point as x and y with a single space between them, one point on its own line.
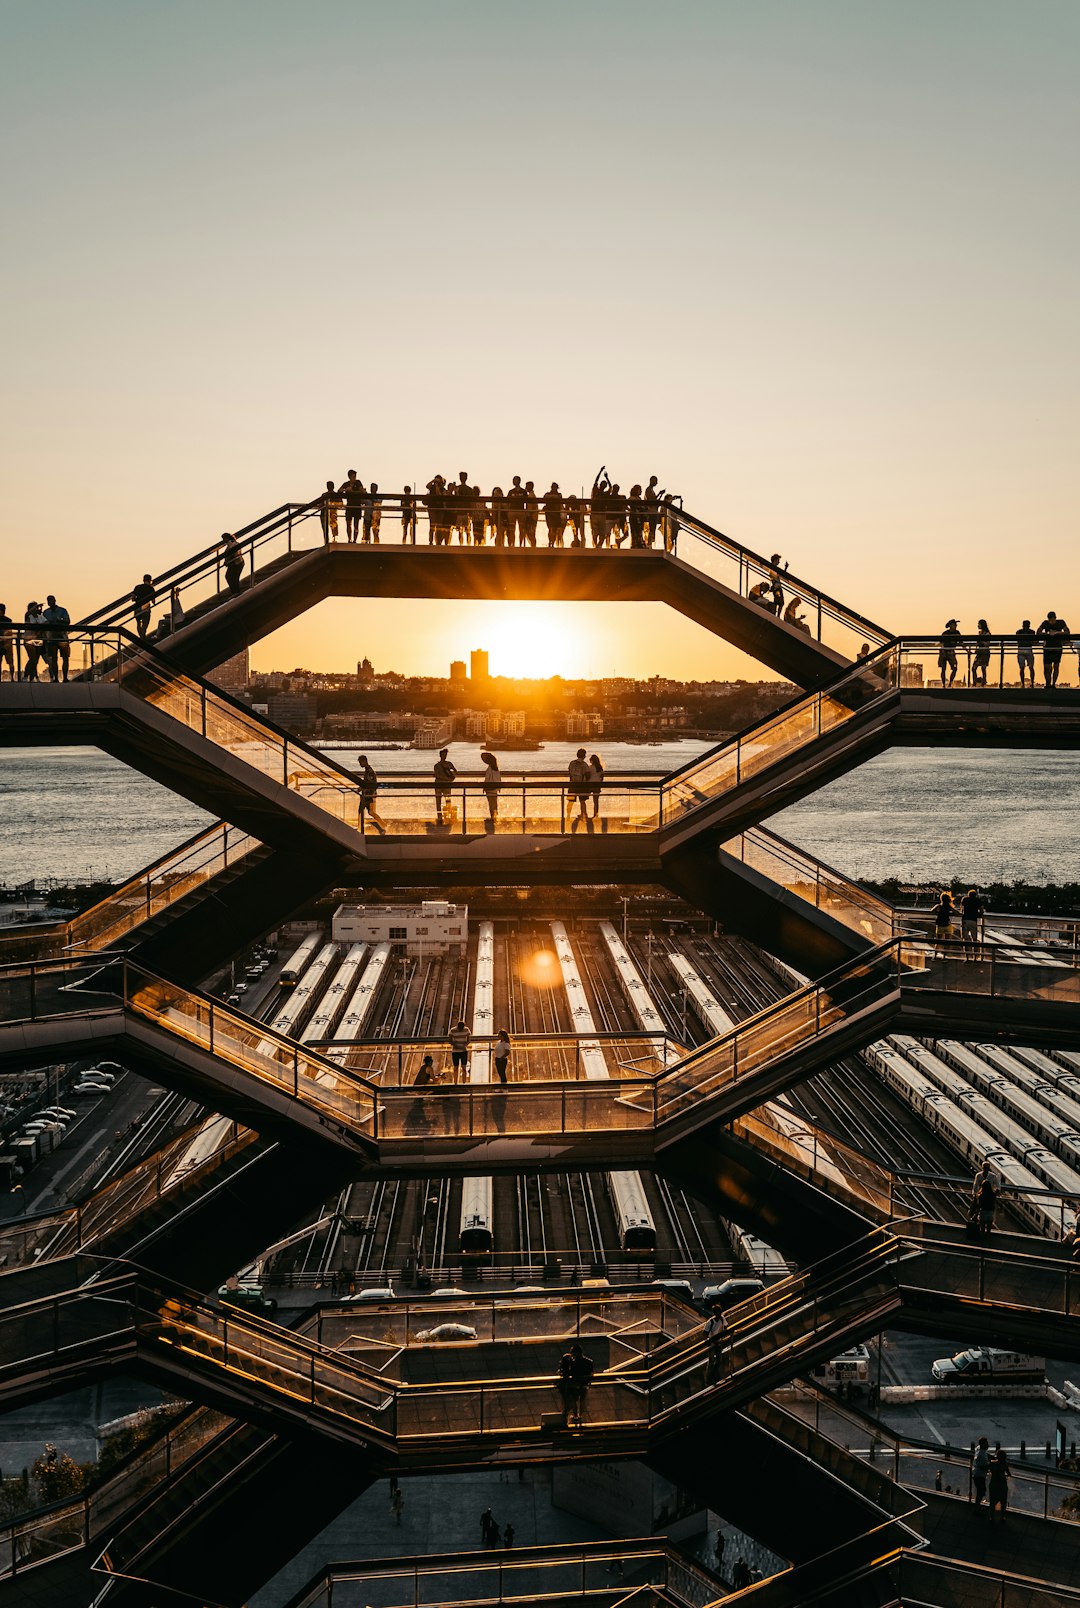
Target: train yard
544 982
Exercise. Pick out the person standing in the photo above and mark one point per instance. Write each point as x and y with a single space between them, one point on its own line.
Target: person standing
176 610
7 643
944 916
352 490
369 787
984 1199
554 515
233 555
672 505
998 1485
515 512
408 517
397 1503
581 1377
578 773
144 597
444 772
459 1052
508 1537
981 662
1054 635
372 514
653 498
948 642
575 518
616 516
478 516
980 1468
598 507
57 641
596 782
972 914
33 639
492 785
716 1335
328 503
530 515
636 513
1025 651
487 1524
501 1054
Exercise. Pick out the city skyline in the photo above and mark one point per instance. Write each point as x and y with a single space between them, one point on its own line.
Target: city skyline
834 308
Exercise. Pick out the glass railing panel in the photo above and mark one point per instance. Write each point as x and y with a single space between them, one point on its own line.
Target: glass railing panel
818 884
35 1540
994 664
944 967
52 1327
558 1058
481 1111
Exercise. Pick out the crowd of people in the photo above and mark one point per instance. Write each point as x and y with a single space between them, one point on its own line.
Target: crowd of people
646 516
584 785
45 640
1052 636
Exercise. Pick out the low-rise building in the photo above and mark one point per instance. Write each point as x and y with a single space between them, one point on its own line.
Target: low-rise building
433 927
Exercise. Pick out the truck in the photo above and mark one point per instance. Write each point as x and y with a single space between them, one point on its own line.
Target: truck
849 1372
986 1365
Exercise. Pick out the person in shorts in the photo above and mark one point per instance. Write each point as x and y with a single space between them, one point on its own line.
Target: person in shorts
972 911
459 1052
1054 634
944 917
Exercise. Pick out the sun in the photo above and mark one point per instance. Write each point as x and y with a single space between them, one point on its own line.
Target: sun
532 640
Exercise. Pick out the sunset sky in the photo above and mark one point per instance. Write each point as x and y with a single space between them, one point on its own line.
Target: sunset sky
814 264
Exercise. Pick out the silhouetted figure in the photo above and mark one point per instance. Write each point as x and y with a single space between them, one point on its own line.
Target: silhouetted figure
144 597
408 517
508 1536
57 641
34 640
948 642
177 617
616 511
944 916
500 517
575 519
530 516
653 498
762 595
462 513
515 509
328 504
998 1486
972 912
444 772
576 1370
981 661
740 1575
596 782
554 515
416 1116
7 643
488 1528
863 653
980 1468
492 785
716 1337
233 555
1055 636
438 512
500 1054
372 514
353 492
578 773
397 1503
369 787
793 617
1025 652
478 515
599 514
984 1199
776 583
672 505
635 512
459 1050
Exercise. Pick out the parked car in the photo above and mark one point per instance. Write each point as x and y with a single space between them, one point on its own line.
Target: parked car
719 1297
248 1297
384 1293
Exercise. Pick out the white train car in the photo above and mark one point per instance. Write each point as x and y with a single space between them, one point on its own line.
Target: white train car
1048 1168
964 1134
305 996
637 994
477 1228
1035 1083
706 1004
294 967
324 1020
637 1230
358 1011
1046 1126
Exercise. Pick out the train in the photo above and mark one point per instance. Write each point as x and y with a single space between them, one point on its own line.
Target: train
964 1134
325 1018
476 1234
293 969
634 1221
305 992
359 1007
1059 1134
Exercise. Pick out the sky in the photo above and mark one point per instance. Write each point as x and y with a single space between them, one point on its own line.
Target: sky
812 263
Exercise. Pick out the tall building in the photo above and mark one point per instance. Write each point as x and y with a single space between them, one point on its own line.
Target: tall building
232 676
457 672
365 672
478 665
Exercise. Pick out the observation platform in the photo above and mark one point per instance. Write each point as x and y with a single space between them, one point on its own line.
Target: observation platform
418 1400
64 1009
288 568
